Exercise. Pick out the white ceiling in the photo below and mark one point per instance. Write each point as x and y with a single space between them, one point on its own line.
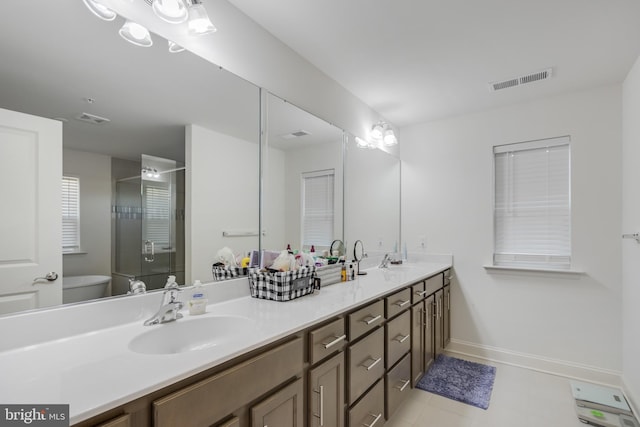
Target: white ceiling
419 60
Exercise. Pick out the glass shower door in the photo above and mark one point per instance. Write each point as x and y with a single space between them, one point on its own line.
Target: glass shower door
162 228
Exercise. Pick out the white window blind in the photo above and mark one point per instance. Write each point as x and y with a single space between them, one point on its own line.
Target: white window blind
532 206
317 208
157 216
70 214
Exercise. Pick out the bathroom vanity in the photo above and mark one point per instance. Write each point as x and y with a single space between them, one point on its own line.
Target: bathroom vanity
344 356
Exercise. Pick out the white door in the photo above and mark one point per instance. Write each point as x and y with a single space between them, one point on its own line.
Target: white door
31 215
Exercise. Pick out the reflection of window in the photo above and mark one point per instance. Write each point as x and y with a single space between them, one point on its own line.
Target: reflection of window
317 208
157 216
70 214
532 210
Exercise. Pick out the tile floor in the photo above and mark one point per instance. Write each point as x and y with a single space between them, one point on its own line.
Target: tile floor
520 398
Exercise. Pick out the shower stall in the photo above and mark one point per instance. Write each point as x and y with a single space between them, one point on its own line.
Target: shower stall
147 223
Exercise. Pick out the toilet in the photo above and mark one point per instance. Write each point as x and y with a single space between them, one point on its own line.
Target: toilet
84 288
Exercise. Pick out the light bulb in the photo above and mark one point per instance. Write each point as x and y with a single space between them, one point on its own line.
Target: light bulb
100 10
136 34
199 22
376 132
171 11
390 137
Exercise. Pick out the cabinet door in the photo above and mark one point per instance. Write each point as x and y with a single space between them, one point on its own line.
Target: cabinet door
446 321
438 323
428 354
326 393
417 342
282 409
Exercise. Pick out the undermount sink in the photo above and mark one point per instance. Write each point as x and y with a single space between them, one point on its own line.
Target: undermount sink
190 334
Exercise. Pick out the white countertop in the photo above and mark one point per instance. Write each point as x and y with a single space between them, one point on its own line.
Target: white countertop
96 371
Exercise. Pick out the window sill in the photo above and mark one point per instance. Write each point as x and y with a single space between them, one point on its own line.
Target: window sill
501 268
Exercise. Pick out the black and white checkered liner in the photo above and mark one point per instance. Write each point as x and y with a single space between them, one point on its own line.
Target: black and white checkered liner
283 286
226 273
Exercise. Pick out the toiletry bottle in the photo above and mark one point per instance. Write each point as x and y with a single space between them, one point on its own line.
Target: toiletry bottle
352 272
171 281
344 273
197 303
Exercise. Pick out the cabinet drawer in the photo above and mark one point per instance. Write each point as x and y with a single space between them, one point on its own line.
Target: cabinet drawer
417 292
366 364
365 319
209 400
398 384
121 421
433 284
370 410
397 302
398 338
326 340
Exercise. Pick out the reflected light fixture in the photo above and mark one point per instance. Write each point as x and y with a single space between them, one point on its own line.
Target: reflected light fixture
136 34
100 10
390 137
150 172
377 131
171 11
175 47
199 23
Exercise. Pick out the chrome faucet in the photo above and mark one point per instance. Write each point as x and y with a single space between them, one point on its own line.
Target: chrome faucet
169 309
385 261
136 286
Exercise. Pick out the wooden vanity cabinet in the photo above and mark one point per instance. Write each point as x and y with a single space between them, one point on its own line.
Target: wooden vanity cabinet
352 370
326 393
282 409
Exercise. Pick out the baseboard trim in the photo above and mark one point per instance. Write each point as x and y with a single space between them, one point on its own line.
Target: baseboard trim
537 363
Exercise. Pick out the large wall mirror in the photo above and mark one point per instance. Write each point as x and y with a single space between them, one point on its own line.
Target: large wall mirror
176 121
302 201
372 202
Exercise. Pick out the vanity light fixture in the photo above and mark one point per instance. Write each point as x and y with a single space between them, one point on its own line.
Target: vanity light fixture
171 11
174 47
150 172
361 143
390 137
199 23
100 10
377 131
136 34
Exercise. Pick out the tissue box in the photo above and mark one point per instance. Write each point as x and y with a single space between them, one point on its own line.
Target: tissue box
283 286
226 273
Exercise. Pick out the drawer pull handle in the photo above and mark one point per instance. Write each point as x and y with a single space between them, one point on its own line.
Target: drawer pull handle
372 319
421 293
401 303
375 362
404 385
401 338
321 415
337 339
376 419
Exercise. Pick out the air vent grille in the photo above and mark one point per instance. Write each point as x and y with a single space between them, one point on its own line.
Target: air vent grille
521 80
92 118
296 134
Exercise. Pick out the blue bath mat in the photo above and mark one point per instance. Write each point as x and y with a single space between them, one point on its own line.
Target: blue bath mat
461 380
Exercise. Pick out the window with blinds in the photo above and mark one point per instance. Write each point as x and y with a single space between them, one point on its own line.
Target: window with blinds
157 216
532 204
70 214
317 208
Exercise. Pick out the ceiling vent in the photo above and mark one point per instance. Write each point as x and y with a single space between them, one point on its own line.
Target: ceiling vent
93 119
296 134
521 80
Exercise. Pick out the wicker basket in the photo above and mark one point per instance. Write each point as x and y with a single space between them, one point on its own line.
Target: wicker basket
283 286
226 273
330 274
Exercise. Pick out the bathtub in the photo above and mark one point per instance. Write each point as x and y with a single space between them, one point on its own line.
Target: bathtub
84 288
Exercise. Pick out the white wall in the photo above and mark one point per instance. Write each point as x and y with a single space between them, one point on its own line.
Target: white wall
222 195
631 224
447 197
94 171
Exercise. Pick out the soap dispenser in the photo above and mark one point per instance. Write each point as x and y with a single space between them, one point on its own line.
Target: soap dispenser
197 303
